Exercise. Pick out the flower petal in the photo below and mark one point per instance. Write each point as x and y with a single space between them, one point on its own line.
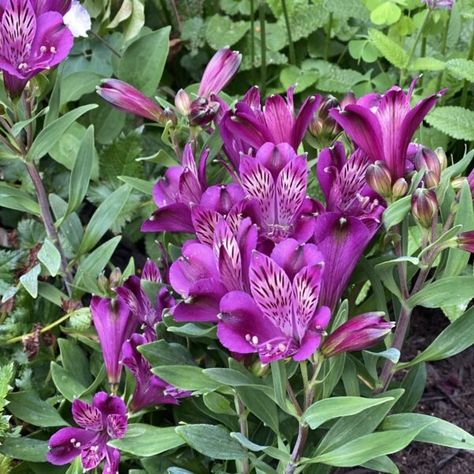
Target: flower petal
117 426
86 415
67 443
172 218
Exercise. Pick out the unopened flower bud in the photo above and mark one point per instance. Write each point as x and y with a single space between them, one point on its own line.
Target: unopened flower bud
203 111
465 241
182 101
260 369
424 206
356 334
348 99
400 188
115 277
443 159
457 183
427 159
323 127
379 178
103 283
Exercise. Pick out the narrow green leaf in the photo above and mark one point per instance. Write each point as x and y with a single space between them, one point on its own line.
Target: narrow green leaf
141 185
186 377
14 198
396 212
261 405
414 384
30 280
24 449
161 353
50 257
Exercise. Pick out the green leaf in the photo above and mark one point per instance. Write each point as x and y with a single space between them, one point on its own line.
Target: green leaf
19 126
330 408
447 291
50 257
439 432
25 449
104 217
427 64
50 135
386 13
462 69
76 84
261 405
120 158
186 377
294 75
452 340
457 122
161 353
28 407
144 440
396 212
382 464
81 171
66 382
144 60
414 384
221 31
217 403
214 442
75 361
141 185
30 280
373 445
14 198
390 50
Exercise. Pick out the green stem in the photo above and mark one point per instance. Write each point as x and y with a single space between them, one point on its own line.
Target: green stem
252 35
444 44
263 48
288 30
328 37
465 87
243 464
413 48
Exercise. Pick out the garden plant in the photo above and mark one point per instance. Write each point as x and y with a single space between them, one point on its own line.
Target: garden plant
220 223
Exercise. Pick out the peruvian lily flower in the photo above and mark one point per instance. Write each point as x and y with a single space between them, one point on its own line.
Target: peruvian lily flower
351 219
276 180
250 125
281 317
204 274
182 187
383 125
128 99
101 421
358 333
114 323
219 72
439 4
33 37
138 301
149 389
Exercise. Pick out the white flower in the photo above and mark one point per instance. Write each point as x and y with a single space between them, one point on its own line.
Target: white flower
77 19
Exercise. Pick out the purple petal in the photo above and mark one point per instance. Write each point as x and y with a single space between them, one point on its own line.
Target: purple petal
67 443
278 119
109 404
171 218
165 190
308 346
151 271
116 426
87 416
112 461
330 161
92 456
303 119
204 223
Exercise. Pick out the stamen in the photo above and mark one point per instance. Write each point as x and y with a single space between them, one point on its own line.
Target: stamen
255 340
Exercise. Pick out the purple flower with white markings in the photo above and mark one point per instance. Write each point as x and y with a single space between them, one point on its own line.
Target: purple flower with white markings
134 295
204 273
101 421
383 125
149 390
33 37
249 125
282 316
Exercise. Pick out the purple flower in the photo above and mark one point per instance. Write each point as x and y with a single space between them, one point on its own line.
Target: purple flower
281 319
276 180
356 334
439 4
149 389
127 98
250 125
424 206
138 301
351 219
101 421
204 274
114 323
33 38
383 125
465 241
174 194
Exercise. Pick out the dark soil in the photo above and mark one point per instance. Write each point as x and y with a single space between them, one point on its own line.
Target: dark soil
449 395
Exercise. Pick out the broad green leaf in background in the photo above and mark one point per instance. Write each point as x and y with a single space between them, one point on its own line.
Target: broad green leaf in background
75 85
75 361
455 121
14 198
50 257
25 449
260 405
141 185
161 352
414 384
391 50
387 13
66 382
396 212
186 377
144 59
30 280
462 69
221 31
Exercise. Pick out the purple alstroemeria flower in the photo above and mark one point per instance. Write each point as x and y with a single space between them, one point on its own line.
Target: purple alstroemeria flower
128 99
101 421
250 125
139 303
114 323
358 333
149 390
281 317
33 37
383 125
351 219
275 180
218 73
439 4
204 274
182 187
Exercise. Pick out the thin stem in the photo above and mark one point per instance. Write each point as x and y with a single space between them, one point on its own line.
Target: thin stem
291 46
263 48
444 44
106 44
49 222
176 14
465 87
244 430
328 37
413 48
252 35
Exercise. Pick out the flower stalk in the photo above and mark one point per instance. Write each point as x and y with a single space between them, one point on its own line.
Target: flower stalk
291 45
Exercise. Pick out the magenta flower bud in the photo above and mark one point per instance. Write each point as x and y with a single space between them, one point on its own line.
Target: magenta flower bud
400 188
114 323
427 159
379 178
127 98
466 241
424 206
323 126
356 334
348 99
470 180
203 111
439 4
182 101
219 72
